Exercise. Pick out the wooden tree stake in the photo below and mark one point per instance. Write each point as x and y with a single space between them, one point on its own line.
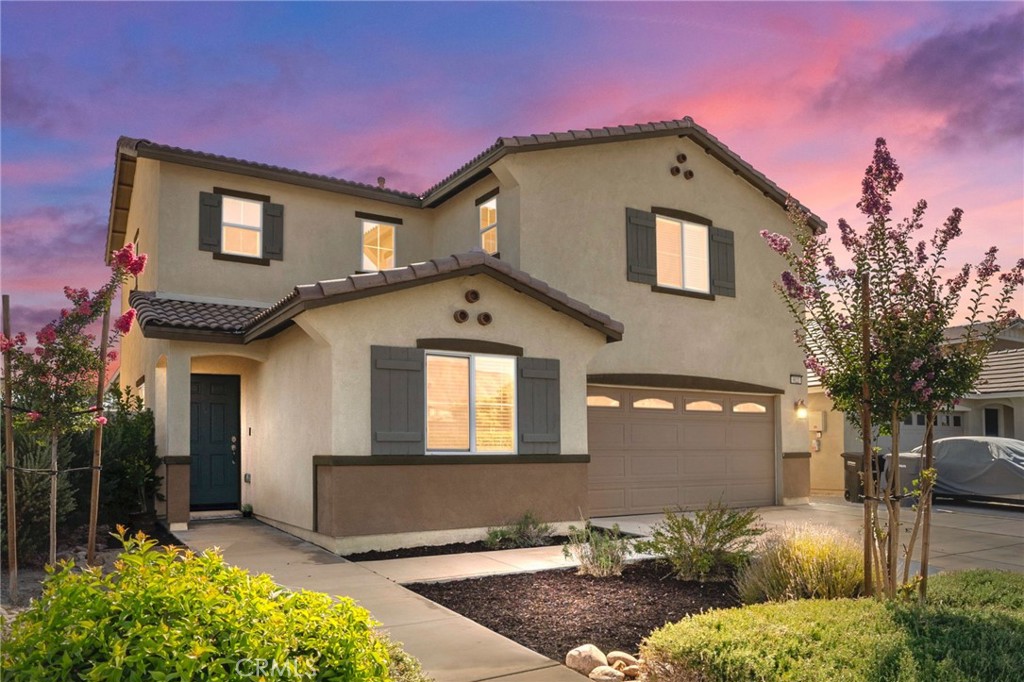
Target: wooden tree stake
97 441
865 427
12 525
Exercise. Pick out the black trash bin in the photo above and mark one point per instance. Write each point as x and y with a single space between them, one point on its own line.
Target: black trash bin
853 486
853 466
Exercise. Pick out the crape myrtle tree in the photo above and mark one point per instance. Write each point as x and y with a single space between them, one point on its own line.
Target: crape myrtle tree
54 384
873 333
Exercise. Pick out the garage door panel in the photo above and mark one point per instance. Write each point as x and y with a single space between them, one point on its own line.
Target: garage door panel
607 435
646 434
607 466
704 435
653 499
748 435
695 497
644 460
655 465
744 465
607 501
714 466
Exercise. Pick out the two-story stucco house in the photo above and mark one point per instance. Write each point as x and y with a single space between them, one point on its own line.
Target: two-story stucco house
605 341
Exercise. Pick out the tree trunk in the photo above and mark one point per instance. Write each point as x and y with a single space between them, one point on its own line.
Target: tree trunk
893 506
929 462
12 517
865 434
53 497
97 442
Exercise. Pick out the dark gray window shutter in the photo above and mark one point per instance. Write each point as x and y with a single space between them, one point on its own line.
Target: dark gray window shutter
396 401
210 210
723 262
538 409
273 231
641 247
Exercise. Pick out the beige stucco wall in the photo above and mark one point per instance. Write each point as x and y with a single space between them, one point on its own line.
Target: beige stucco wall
572 213
323 237
400 318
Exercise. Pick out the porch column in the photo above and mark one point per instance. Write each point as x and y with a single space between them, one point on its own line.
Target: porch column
176 401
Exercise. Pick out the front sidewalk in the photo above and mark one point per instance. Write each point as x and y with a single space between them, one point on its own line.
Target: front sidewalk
451 648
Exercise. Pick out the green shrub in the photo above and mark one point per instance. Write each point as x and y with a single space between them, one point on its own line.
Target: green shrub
803 562
979 639
403 667
600 553
32 494
709 544
526 531
978 588
167 614
129 483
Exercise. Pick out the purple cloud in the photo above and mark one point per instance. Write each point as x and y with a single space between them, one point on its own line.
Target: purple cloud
970 77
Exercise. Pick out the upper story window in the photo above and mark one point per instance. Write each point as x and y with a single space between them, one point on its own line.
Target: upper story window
680 253
378 245
683 257
242 227
471 403
489 225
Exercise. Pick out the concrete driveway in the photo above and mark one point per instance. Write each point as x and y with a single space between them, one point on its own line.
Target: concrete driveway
963 536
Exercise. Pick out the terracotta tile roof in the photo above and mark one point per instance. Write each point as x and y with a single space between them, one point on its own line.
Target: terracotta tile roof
249 323
155 311
149 149
475 262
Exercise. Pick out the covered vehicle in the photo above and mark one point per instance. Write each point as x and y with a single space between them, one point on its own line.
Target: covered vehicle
973 468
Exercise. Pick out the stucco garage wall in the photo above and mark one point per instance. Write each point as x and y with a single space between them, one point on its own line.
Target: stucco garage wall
747 338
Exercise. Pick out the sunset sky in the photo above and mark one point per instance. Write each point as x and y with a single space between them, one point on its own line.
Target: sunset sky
411 91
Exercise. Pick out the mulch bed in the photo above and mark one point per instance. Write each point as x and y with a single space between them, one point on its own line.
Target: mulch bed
437 550
553 612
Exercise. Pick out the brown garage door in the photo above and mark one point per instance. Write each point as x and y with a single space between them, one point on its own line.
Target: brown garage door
651 449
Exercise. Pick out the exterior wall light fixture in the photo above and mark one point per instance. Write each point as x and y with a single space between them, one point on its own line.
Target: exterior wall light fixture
801 409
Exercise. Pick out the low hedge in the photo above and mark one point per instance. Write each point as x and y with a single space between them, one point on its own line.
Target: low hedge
168 614
972 629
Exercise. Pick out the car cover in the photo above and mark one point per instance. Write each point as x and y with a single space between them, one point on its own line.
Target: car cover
983 468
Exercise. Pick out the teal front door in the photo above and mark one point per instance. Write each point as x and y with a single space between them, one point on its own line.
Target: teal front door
215 432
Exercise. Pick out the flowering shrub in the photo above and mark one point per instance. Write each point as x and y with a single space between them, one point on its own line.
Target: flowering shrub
909 301
54 383
172 614
803 563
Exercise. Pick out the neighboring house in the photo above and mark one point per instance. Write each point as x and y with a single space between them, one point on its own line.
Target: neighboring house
994 408
309 347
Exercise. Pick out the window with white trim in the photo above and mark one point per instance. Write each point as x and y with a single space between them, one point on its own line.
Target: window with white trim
242 227
683 255
378 245
470 403
489 225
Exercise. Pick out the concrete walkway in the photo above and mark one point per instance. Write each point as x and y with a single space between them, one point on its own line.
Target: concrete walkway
453 648
962 536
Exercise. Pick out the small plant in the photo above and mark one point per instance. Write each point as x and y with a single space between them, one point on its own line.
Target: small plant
708 545
171 614
526 531
806 562
247 510
600 553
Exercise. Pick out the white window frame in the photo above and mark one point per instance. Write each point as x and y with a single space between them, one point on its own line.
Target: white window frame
240 226
472 405
491 203
682 253
368 267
